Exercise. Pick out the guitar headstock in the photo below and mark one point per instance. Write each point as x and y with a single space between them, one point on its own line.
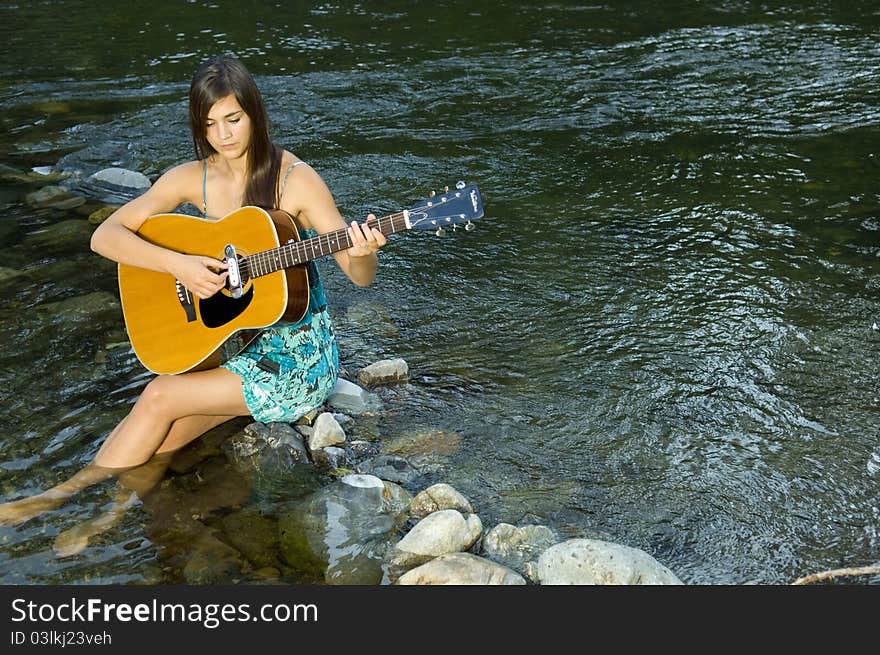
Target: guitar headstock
453 207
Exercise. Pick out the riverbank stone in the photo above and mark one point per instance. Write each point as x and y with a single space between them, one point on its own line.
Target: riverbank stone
593 562
121 178
350 398
438 497
446 531
461 569
325 431
386 371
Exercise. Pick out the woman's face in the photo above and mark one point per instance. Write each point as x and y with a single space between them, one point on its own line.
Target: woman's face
228 128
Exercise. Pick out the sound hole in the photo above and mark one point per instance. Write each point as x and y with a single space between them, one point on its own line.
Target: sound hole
219 309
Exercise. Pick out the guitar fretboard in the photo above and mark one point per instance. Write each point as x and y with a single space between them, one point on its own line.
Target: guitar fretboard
300 252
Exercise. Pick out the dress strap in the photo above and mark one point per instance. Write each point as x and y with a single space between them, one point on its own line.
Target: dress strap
205 187
284 179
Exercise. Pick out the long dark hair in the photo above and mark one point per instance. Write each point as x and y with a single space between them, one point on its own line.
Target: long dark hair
216 79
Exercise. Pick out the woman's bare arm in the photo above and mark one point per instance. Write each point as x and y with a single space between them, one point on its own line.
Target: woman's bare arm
116 238
307 196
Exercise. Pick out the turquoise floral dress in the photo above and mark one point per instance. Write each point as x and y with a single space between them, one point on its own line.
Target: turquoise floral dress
291 368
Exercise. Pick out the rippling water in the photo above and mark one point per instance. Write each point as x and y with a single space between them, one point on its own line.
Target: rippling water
664 331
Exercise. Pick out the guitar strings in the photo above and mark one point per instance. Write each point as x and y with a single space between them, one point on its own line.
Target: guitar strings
266 262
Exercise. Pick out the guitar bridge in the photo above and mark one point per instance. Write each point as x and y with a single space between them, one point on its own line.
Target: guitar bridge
186 301
233 280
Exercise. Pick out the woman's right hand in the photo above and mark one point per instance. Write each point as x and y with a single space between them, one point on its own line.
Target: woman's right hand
203 276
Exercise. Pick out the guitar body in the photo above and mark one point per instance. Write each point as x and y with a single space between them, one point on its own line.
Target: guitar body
171 330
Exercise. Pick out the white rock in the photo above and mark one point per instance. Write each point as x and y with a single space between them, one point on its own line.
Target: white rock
121 177
362 481
326 431
446 531
352 399
461 569
594 562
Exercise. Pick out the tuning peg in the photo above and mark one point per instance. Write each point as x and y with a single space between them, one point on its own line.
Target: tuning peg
469 226
440 232
432 194
460 184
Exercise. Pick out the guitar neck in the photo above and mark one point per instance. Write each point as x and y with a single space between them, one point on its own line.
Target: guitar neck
300 252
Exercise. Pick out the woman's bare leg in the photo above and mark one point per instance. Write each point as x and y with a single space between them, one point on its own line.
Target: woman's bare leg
171 412
167 398
136 483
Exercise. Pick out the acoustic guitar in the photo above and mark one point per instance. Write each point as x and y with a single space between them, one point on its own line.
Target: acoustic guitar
173 331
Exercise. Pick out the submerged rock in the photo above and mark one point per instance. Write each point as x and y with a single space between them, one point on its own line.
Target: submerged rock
517 547
254 535
54 197
92 308
340 533
10 275
211 561
41 175
274 457
266 448
67 236
331 458
391 468
100 215
427 449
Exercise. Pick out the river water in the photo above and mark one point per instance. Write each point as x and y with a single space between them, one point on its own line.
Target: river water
663 333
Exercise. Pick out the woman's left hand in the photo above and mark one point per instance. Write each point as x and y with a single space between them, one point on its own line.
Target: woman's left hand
365 240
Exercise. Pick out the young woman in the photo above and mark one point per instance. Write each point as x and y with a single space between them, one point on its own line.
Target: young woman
236 165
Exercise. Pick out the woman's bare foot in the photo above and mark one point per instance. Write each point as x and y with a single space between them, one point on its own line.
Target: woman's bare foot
19 511
74 540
